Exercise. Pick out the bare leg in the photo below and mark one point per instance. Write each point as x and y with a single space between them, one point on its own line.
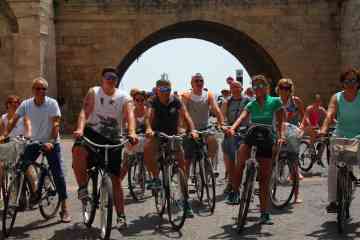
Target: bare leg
80 164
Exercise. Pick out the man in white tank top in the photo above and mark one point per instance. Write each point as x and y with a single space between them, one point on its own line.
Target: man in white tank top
104 109
200 103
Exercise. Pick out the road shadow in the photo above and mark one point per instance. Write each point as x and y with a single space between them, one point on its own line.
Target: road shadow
329 231
76 231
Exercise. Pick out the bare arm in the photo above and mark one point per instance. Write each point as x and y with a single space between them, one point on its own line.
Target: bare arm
27 127
330 115
12 123
243 116
129 116
280 117
55 127
186 116
2 127
86 110
301 107
149 119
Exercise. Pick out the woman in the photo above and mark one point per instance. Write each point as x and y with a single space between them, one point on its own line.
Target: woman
22 128
294 114
260 111
345 106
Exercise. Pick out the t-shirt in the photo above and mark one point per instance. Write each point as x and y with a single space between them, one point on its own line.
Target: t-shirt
166 116
264 114
18 130
40 117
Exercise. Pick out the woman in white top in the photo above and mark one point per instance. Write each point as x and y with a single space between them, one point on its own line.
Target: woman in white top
22 127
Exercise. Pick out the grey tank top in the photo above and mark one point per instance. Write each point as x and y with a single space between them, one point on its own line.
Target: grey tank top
199 110
234 109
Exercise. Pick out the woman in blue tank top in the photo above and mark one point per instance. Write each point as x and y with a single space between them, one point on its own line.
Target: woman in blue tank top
345 107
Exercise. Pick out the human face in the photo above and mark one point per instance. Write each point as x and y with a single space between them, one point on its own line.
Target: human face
39 90
197 83
12 105
350 82
284 89
163 91
235 89
110 80
139 100
260 88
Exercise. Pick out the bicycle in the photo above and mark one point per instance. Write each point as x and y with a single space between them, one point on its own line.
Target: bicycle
345 151
137 176
49 201
204 177
310 154
284 177
251 172
173 194
99 196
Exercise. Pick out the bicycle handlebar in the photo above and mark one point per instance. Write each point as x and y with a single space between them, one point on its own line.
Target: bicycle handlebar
108 146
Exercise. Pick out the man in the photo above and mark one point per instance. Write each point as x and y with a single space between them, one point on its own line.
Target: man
44 115
199 104
104 109
164 115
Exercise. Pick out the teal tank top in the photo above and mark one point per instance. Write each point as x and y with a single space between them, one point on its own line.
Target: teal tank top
348 116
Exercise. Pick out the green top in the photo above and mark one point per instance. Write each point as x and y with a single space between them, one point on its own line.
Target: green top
348 116
264 114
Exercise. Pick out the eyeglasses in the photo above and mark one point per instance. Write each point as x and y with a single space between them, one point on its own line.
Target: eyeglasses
164 89
13 102
40 88
285 87
139 100
258 86
350 81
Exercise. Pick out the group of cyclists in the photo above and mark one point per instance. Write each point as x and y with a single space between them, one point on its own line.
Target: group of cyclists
108 113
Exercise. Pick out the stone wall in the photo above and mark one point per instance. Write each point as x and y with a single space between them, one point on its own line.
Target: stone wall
350 51
301 37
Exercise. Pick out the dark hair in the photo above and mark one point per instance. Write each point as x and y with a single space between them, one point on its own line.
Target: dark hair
347 72
136 92
163 82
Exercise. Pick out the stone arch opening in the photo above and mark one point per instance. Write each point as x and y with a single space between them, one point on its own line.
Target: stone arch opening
251 54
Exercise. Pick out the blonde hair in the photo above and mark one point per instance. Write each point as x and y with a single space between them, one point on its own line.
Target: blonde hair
40 80
287 81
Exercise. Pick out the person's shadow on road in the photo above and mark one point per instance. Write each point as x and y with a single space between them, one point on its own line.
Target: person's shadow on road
329 230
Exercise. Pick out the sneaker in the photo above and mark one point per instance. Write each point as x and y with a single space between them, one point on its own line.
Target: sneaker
83 194
265 218
154 184
233 198
332 207
227 189
188 210
121 222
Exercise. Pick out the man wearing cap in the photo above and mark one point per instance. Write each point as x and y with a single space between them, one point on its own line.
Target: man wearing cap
104 109
199 103
232 109
164 115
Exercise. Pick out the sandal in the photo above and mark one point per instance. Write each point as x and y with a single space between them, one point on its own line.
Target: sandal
65 218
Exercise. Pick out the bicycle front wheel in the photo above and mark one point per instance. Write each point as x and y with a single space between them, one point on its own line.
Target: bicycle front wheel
178 199
49 203
245 198
209 185
343 203
284 181
305 156
106 208
136 179
10 206
89 205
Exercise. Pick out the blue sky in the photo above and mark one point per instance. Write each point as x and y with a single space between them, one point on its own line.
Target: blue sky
180 59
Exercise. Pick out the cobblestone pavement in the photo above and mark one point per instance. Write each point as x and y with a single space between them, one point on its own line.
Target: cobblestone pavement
303 221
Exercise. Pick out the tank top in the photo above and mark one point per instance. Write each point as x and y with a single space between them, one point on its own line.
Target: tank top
199 109
292 112
234 109
314 118
348 116
107 116
18 129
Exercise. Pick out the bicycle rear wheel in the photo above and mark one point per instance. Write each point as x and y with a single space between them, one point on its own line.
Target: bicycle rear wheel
305 156
10 206
284 181
246 197
209 185
106 208
89 205
50 202
177 198
137 178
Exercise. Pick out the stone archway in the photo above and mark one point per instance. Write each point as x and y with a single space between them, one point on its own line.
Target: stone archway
253 56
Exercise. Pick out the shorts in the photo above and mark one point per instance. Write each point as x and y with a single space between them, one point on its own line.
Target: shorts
230 146
263 139
191 148
97 155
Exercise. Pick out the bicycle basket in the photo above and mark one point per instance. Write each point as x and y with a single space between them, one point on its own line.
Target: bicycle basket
345 150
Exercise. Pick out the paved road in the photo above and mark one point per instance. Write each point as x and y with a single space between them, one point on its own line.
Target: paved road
304 221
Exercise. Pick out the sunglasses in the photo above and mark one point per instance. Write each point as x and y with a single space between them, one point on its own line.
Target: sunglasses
13 102
198 80
110 76
350 81
285 87
258 86
40 88
139 100
164 89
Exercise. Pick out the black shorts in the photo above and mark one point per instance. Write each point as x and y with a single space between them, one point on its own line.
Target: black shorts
262 138
97 155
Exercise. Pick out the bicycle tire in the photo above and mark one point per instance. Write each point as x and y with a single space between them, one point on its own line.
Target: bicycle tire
305 159
245 198
106 208
136 180
209 184
199 180
49 195
177 177
89 207
341 199
10 209
284 199
159 195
